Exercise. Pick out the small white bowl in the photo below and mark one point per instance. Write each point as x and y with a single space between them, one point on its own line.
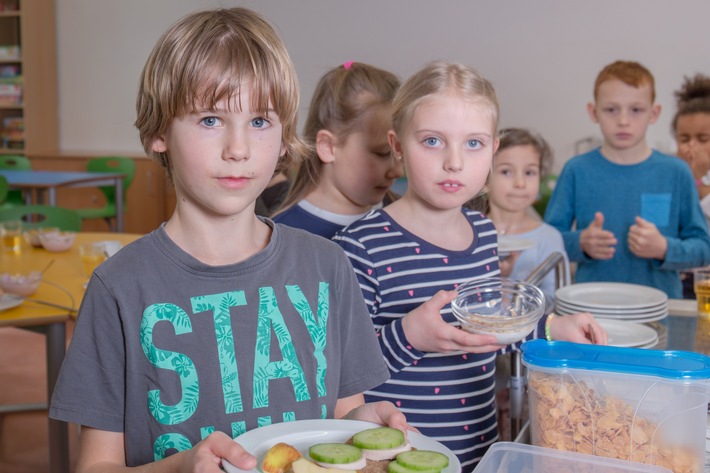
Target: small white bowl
23 285
57 241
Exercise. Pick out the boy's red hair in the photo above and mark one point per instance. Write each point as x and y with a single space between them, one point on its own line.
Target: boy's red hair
629 72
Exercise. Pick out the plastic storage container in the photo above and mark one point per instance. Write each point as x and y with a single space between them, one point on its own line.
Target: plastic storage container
648 406
508 457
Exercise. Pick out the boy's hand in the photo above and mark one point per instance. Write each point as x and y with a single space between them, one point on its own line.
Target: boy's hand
427 331
381 412
645 241
207 455
596 242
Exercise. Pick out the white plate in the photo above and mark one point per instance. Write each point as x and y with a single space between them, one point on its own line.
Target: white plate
583 308
621 318
611 313
628 334
508 244
8 301
303 433
611 295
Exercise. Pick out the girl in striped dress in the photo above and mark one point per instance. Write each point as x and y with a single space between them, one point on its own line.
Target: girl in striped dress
410 256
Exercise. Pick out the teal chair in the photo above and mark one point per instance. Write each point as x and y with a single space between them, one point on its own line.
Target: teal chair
14 162
126 166
35 216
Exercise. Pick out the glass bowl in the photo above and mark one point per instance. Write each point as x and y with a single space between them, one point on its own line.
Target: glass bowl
57 241
23 285
32 235
505 308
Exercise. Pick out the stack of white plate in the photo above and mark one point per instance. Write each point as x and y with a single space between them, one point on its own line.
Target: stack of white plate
629 334
611 300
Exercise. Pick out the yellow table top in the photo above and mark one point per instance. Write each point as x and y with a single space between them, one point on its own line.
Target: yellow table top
62 283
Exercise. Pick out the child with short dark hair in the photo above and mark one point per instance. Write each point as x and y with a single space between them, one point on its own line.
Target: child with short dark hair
219 321
628 213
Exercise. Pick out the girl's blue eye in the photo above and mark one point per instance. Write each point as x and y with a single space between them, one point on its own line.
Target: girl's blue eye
259 122
431 141
474 144
210 121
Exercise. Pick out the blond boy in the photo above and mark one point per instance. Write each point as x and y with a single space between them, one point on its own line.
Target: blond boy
218 322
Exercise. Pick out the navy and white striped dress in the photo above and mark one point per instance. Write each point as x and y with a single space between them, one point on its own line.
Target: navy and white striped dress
448 397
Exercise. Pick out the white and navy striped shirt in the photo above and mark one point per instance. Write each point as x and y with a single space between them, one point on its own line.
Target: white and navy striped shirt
448 397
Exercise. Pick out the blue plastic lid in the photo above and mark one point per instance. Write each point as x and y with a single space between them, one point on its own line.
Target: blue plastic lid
670 364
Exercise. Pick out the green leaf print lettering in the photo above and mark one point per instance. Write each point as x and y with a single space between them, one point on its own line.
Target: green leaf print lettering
180 363
271 321
220 305
167 442
317 328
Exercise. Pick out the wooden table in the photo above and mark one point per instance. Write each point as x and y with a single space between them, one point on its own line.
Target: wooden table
35 183
62 285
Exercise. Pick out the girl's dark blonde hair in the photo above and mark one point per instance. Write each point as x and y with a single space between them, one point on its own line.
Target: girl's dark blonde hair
693 97
442 78
511 137
341 102
205 58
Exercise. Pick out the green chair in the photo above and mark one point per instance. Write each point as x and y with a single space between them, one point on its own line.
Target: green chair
120 164
35 216
547 186
4 188
14 162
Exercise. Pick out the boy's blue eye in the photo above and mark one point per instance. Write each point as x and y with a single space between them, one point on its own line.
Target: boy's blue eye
210 121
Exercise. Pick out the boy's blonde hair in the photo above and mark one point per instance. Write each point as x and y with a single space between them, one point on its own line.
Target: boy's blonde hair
630 73
442 78
342 101
511 137
205 58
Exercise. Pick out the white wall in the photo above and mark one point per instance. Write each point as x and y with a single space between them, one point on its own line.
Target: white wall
541 55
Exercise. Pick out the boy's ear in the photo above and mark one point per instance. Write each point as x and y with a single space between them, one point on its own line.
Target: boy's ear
158 144
395 144
655 112
592 111
325 146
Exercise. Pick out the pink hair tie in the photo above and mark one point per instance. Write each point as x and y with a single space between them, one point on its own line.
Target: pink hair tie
348 65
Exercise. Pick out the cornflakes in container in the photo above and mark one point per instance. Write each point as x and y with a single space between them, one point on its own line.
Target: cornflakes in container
646 406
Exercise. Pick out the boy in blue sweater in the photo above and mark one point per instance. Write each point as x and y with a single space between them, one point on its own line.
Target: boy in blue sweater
628 213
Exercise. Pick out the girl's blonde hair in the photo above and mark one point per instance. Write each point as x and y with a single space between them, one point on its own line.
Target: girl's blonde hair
442 78
693 97
511 137
205 58
341 102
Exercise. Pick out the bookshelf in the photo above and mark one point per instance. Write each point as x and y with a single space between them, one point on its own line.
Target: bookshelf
28 78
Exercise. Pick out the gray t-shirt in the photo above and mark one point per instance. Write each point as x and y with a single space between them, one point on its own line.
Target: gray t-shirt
167 349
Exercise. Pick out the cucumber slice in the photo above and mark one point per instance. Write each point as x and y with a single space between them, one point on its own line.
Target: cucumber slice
394 467
379 438
423 460
334 453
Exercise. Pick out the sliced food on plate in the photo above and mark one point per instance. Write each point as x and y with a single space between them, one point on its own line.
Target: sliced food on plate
376 450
